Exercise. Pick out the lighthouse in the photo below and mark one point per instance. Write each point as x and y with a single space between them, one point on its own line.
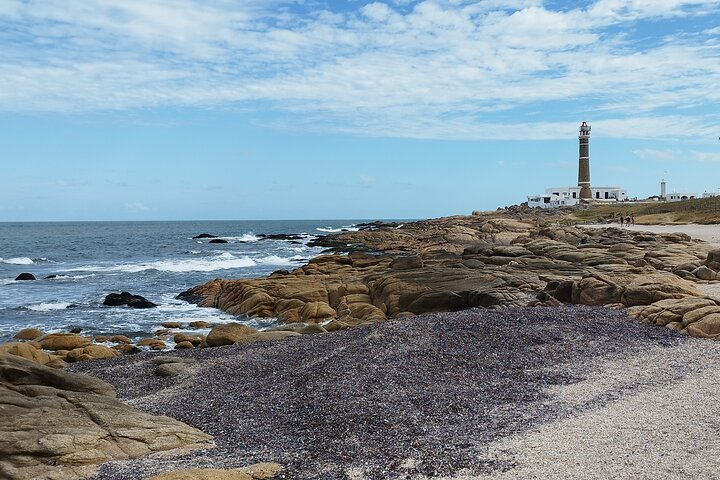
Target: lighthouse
584 163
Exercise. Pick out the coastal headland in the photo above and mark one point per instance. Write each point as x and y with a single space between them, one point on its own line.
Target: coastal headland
445 348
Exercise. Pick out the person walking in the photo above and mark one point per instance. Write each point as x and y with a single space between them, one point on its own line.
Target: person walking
621 220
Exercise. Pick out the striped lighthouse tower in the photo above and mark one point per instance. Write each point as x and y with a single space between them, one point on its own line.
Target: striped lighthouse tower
584 163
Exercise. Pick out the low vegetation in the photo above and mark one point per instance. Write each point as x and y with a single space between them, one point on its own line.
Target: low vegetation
702 211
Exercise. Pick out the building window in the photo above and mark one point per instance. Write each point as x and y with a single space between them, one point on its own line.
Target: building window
606 195
574 194
597 195
546 200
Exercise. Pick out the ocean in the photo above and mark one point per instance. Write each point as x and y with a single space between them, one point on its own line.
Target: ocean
88 260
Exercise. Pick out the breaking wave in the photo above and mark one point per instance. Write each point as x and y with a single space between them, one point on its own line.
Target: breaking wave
49 306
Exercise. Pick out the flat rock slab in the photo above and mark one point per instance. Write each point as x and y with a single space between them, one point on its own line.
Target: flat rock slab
418 398
60 425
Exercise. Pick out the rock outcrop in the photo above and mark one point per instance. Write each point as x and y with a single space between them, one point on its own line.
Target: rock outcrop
60 425
461 262
127 298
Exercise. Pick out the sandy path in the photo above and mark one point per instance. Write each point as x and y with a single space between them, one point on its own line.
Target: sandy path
708 233
663 429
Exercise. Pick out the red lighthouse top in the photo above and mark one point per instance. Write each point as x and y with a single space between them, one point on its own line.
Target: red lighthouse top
584 129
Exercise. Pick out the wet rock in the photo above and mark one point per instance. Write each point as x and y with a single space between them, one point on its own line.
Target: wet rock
218 240
171 325
126 298
29 334
204 235
153 343
25 276
120 339
125 348
200 324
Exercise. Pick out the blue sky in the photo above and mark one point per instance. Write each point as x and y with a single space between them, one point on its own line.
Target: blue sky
269 109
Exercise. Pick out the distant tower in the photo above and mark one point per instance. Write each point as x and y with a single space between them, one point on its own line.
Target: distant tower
662 189
584 165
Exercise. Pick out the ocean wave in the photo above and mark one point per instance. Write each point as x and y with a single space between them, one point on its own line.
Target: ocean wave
69 277
277 260
224 261
348 228
49 306
246 238
17 261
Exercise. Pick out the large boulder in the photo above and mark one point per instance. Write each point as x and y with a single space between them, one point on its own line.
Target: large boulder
26 350
29 334
227 334
596 290
25 276
127 298
60 425
63 341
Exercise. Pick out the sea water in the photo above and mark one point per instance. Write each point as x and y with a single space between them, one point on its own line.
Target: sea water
88 260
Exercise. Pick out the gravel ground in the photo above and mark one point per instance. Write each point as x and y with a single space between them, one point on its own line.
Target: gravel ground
451 395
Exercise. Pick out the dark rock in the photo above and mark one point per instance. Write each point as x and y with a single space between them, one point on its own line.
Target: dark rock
50 277
205 235
76 330
126 298
25 276
218 240
281 236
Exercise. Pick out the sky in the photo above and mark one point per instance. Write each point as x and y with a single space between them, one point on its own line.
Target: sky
346 109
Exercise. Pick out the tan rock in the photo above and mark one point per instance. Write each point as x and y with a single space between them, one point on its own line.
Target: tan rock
316 311
120 339
195 340
266 337
200 324
171 325
26 351
227 334
183 345
707 327
59 425
153 343
29 334
62 341
125 348
259 471
102 338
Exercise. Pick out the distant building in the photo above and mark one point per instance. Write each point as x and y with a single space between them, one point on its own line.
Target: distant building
555 197
711 194
679 196
567 196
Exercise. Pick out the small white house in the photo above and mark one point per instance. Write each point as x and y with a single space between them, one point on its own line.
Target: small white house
711 194
679 196
555 197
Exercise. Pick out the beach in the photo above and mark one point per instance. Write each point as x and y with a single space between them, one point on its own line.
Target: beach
520 393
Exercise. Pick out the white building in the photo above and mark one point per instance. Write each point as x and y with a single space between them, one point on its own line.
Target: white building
711 194
555 197
679 196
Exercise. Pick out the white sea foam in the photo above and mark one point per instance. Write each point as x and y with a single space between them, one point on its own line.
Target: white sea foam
348 228
49 306
277 260
223 261
17 261
247 238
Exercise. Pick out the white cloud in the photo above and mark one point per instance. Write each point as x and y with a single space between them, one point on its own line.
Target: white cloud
430 69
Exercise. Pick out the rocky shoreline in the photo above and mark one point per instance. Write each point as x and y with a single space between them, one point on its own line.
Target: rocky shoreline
402 389
417 398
